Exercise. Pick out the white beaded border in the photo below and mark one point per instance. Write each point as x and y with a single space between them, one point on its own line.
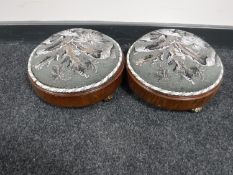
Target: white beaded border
167 91
84 88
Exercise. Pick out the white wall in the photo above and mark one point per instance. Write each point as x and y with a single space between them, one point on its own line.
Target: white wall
218 13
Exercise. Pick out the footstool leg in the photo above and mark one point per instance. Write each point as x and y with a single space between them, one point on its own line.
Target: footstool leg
108 98
197 109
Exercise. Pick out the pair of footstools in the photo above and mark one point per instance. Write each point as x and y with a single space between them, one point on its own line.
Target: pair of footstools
169 68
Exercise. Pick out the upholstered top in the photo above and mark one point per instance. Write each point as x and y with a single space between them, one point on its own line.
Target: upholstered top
175 62
74 60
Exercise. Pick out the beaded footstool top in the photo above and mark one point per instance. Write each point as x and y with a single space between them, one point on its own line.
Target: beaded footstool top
74 60
175 62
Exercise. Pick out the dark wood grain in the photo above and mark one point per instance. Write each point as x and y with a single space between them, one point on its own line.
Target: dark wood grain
170 102
84 98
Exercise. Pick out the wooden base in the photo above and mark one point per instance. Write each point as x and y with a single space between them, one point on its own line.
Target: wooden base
170 102
81 99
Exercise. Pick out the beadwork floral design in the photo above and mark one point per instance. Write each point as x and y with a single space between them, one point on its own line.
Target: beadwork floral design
74 50
174 47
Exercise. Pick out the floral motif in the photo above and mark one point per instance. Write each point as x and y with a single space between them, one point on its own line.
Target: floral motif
174 47
76 50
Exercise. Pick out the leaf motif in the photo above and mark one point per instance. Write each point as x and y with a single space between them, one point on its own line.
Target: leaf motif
168 45
106 53
73 50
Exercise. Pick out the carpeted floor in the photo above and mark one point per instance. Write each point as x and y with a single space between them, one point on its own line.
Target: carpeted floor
123 136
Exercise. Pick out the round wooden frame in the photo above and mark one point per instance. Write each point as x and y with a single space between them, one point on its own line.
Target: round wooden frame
84 98
170 102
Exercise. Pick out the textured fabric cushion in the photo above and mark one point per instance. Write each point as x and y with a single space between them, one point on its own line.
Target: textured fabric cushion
175 62
74 60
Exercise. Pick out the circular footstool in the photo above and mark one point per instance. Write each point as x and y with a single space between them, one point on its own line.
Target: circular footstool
174 69
76 68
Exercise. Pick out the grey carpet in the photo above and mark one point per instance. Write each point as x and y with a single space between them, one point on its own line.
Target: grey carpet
123 136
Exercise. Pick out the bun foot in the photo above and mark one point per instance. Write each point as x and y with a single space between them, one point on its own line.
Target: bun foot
197 109
108 98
